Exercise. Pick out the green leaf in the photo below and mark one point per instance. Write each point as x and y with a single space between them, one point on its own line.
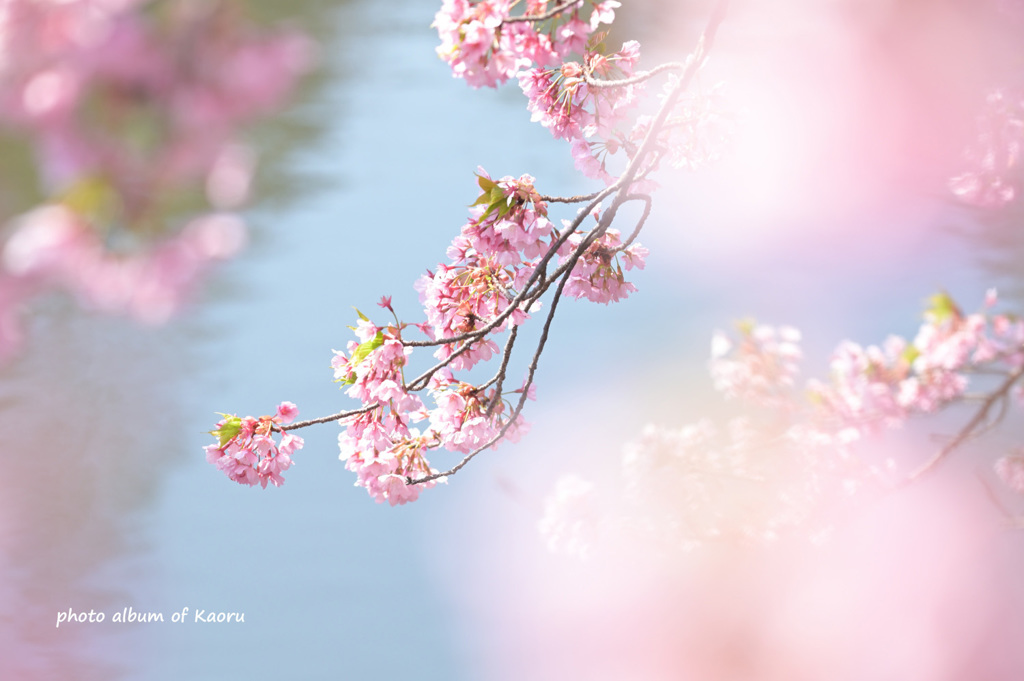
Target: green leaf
746 326
361 315
91 197
942 308
364 349
486 183
228 430
910 353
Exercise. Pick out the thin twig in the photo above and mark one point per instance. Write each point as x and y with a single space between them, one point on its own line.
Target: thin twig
968 430
324 419
568 199
597 84
499 376
558 9
640 223
994 498
519 405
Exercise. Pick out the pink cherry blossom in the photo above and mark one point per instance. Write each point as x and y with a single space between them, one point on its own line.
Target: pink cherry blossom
990 179
384 472
1010 470
599 275
761 368
246 451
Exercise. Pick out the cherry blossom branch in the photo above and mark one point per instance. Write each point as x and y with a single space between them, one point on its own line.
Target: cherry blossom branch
519 405
577 254
562 273
692 65
968 431
523 296
501 264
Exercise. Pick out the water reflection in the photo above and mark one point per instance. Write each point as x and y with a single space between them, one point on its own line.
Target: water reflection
92 411
90 421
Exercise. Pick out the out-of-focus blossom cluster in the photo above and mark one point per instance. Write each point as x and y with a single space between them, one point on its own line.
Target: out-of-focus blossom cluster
1010 470
132 110
761 367
876 387
700 127
993 175
883 386
693 484
146 95
246 450
570 517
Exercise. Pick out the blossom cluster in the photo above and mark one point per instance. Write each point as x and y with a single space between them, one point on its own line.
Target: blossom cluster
561 100
493 256
570 517
992 178
483 47
574 87
246 450
598 274
692 484
875 387
1010 469
489 286
132 109
883 386
761 367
